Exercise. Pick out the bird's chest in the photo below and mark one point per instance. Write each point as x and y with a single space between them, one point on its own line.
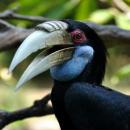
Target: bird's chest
57 98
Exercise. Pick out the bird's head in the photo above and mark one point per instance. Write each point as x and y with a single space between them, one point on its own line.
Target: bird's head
71 50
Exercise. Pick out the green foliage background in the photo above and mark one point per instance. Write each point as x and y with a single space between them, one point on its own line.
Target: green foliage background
98 11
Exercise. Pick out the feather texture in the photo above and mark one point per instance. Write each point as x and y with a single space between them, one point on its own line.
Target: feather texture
91 107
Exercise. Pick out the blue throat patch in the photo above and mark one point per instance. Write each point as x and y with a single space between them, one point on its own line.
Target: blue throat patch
72 68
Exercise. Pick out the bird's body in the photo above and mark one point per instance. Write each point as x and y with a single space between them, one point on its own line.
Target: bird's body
79 100
82 103
83 106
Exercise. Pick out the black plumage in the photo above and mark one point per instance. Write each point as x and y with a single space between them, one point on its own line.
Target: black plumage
83 103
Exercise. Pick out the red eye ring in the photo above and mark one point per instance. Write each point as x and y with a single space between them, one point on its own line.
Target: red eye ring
78 36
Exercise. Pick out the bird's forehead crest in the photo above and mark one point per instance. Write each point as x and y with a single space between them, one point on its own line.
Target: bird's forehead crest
52 26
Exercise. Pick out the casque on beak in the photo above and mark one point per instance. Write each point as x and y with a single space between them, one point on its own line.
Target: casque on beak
46 36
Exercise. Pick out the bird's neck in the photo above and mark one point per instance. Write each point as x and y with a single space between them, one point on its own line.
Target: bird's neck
58 94
57 98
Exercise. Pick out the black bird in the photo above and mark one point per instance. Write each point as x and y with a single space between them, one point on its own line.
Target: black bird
76 57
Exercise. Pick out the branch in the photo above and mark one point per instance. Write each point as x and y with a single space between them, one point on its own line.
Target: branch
39 108
10 14
121 5
11 36
112 35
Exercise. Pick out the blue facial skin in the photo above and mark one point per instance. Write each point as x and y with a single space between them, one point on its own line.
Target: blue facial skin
72 68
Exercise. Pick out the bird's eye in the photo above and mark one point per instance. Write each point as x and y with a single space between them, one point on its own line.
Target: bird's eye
78 36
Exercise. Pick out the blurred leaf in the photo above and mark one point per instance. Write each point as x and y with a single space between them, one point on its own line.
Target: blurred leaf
123 21
63 9
123 72
4 4
128 2
36 7
102 16
57 10
5 58
85 8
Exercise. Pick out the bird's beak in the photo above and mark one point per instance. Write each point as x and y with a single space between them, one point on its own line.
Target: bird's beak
46 36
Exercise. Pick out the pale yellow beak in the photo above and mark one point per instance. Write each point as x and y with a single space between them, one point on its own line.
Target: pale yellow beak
46 36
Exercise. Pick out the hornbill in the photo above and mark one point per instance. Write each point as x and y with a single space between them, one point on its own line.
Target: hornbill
76 57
